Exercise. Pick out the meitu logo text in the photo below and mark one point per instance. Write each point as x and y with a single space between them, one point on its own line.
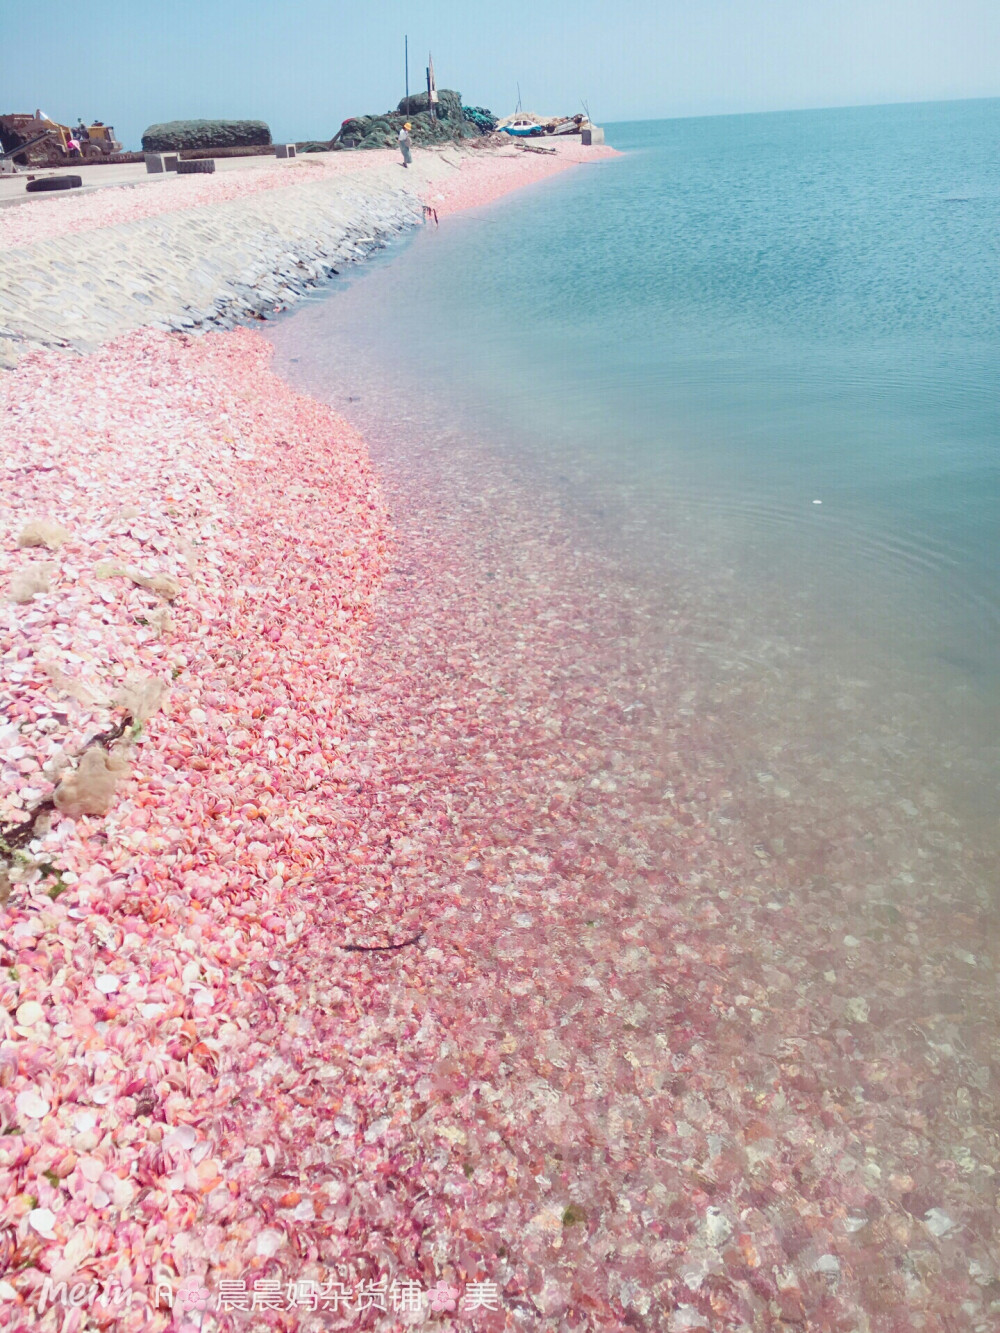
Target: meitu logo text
83 1295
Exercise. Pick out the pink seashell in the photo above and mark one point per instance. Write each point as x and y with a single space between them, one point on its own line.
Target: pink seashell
91 1168
184 1137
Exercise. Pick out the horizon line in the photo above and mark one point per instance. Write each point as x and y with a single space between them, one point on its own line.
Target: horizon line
802 110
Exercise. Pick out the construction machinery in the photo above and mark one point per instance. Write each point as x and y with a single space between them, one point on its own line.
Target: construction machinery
38 141
7 164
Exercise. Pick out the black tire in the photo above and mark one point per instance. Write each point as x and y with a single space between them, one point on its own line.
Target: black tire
46 183
201 166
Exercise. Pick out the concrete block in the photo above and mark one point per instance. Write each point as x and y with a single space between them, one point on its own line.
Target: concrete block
592 136
170 161
155 164
284 150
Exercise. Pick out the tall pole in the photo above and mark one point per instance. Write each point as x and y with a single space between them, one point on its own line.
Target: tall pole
406 58
432 96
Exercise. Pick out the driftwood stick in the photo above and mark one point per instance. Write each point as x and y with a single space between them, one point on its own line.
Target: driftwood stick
107 738
382 948
15 836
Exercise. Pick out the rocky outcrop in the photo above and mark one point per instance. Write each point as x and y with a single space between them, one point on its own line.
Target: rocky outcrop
174 135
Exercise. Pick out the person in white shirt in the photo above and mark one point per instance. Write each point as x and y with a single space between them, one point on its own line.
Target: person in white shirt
404 143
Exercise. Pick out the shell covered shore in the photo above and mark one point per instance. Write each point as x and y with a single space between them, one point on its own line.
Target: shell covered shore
384 969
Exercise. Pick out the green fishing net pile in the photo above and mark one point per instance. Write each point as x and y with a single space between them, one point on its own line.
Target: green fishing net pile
174 135
452 123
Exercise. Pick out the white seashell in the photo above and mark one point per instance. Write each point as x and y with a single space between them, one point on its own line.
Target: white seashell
718 1228
32 1105
937 1222
269 1243
42 1220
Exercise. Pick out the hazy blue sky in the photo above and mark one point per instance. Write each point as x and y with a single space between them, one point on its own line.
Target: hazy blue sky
305 65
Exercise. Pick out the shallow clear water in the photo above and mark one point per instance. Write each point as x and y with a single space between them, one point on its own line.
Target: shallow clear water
603 412
691 345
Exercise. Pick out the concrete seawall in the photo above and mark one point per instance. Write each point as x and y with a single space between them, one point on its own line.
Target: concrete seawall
176 254
209 265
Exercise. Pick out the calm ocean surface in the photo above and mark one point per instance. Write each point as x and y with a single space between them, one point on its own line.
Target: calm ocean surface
692 345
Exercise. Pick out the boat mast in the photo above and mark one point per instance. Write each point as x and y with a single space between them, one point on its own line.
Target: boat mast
432 96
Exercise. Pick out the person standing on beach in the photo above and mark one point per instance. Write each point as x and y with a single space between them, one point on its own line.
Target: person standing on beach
404 143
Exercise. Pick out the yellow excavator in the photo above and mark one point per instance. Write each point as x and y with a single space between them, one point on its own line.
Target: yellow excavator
38 141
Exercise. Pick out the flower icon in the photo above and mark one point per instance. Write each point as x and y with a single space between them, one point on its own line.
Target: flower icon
442 1297
191 1295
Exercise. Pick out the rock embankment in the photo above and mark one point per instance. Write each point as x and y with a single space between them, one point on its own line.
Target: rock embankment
213 265
182 254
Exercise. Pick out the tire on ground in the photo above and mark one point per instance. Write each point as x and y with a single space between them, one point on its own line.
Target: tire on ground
200 166
45 183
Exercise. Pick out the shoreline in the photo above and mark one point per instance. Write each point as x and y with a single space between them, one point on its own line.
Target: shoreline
392 732
170 587
738 1031
185 253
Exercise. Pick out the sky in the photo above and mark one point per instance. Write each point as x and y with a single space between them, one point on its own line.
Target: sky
306 65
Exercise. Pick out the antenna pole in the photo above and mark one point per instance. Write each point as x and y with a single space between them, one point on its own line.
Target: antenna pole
406 60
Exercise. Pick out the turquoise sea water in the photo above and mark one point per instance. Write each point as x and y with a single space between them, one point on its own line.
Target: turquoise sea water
691 345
